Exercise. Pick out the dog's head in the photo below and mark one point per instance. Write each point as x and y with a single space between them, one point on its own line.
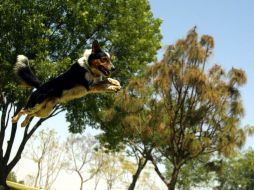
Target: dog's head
100 61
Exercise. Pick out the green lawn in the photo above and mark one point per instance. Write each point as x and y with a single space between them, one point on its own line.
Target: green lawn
17 186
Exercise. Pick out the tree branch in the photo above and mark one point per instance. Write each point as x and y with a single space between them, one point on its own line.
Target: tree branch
157 170
8 115
10 141
3 126
23 143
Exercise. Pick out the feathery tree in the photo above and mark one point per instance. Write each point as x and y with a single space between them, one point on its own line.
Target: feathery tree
179 109
57 31
203 106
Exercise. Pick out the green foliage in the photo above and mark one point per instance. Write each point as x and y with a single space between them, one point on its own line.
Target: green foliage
134 116
194 174
238 173
54 33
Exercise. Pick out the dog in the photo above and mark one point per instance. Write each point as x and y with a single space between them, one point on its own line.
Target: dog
83 77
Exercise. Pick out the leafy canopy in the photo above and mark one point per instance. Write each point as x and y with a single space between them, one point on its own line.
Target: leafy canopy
58 31
238 172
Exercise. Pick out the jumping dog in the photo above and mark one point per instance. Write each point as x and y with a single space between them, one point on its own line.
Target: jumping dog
83 77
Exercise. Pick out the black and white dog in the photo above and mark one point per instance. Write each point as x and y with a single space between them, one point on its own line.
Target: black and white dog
83 77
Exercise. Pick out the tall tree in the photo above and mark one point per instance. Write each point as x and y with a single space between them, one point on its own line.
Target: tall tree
203 106
179 109
58 31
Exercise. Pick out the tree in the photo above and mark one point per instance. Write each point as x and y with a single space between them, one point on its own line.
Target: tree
90 161
134 123
57 32
80 152
46 152
179 109
203 106
238 172
115 168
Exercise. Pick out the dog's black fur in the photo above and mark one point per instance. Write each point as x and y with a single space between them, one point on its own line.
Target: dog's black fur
84 76
55 87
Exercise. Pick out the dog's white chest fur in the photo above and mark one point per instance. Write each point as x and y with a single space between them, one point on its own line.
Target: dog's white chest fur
73 93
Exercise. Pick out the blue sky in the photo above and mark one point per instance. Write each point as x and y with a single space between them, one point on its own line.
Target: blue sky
230 22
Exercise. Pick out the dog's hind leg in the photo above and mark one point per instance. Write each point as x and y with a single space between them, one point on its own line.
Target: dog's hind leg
16 117
46 109
26 121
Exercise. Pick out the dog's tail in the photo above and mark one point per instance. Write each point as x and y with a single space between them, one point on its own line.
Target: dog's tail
23 71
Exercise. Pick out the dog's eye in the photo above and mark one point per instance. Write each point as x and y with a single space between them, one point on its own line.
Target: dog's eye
104 59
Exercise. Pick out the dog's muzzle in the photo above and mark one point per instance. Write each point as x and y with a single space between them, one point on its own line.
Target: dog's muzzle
107 71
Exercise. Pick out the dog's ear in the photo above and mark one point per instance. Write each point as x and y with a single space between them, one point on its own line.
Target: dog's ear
96 47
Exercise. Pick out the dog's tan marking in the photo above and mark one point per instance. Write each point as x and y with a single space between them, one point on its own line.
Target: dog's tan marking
26 121
16 117
48 106
41 110
74 93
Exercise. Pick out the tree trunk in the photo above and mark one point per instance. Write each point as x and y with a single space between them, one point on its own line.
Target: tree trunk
37 175
135 177
4 159
81 180
174 176
3 178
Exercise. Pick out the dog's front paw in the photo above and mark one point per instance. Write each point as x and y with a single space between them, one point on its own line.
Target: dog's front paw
113 82
114 88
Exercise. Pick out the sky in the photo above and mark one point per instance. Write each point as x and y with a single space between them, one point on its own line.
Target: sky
229 22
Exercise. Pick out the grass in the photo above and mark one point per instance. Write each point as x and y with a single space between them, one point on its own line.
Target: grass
17 186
